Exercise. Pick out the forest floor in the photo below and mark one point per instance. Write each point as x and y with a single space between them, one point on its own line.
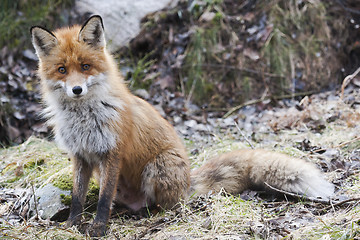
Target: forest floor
237 45
321 128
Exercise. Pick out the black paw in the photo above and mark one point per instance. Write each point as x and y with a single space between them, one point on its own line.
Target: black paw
73 222
97 230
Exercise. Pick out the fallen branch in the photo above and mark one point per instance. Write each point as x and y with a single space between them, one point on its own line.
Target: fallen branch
348 9
232 110
331 203
340 145
347 80
35 202
348 142
223 66
251 102
241 132
339 203
312 199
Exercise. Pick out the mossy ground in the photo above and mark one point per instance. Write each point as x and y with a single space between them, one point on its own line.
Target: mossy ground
217 215
36 163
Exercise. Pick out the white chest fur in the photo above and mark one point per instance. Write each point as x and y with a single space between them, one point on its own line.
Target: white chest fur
84 126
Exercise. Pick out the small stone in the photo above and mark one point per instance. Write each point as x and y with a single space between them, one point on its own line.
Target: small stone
48 201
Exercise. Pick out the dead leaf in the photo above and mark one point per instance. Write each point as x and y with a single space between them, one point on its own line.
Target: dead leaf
249 16
40 128
166 82
19 115
207 16
356 81
252 54
264 34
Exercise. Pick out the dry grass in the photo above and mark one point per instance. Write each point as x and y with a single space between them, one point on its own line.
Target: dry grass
218 215
33 163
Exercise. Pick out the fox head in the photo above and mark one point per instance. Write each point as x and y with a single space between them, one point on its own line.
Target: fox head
71 60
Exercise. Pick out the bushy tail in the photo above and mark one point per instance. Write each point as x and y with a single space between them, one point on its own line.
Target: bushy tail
243 169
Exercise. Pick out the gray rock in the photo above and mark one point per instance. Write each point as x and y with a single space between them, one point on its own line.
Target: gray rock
48 201
142 93
121 18
203 127
177 120
190 123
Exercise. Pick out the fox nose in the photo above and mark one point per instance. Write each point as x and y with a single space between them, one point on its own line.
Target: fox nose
77 90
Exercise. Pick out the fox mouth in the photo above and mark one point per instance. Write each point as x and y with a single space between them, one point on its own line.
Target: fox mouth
77 96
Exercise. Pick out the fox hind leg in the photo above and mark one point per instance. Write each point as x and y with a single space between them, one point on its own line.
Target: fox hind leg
166 180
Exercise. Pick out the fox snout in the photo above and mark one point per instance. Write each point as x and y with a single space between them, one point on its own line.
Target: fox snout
76 90
75 84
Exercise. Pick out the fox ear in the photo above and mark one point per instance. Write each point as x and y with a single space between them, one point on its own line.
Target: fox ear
92 32
43 40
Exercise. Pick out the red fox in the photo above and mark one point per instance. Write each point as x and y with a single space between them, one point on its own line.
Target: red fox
136 154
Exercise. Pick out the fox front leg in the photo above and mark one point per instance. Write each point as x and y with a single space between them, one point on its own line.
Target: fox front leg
81 172
109 174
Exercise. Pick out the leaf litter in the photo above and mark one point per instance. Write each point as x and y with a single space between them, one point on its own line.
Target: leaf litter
333 147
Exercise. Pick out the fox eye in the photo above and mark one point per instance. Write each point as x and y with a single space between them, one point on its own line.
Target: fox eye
85 67
62 70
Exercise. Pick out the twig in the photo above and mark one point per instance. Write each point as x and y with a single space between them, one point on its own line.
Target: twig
348 142
35 201
312 199
191 92
340 145
248 70
232 110
339 203
347 80
351 10
241 132
251 102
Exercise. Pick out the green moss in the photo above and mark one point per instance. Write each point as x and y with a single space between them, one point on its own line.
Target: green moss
218 18
64 182
66 199
37 162
13 179
92 196
32 163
